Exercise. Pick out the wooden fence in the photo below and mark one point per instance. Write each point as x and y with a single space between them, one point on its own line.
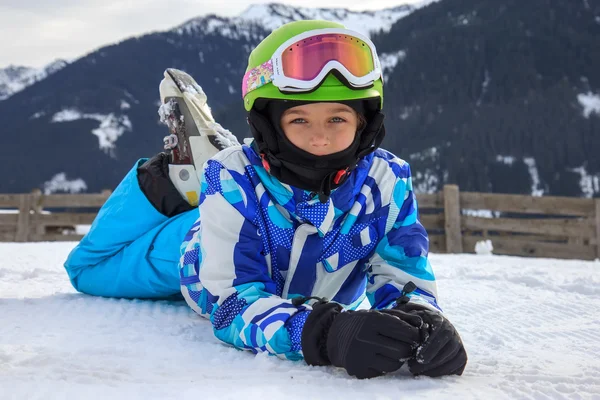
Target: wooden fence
557 227
31 217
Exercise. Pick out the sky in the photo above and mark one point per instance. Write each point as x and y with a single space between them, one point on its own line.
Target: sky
36 32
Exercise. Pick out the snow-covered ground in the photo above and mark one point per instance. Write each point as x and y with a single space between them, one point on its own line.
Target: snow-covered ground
530 327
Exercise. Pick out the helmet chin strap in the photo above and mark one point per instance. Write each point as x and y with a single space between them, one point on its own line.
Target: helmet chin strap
296 167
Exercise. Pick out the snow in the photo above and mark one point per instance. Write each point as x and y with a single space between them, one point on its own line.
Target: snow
67 115
82 229
586 3
590 103
125 105
430 153
406 112
426 180
223 136
536 184
111 126
389 61
484 86
508 160
165 110
484 247
589 184
480 213
529 325
60 183
271 16
13 79
536 189
130 96
38 114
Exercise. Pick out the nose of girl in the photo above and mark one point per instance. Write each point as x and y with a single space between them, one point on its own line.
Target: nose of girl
319 138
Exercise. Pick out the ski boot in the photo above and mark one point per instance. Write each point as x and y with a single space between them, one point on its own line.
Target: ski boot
194 136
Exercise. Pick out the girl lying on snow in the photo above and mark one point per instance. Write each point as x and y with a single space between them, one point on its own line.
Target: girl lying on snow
311 210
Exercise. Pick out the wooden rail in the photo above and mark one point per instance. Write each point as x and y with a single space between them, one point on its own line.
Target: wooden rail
27 218
558 227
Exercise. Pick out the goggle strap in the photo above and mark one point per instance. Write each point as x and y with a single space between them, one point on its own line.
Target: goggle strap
258 76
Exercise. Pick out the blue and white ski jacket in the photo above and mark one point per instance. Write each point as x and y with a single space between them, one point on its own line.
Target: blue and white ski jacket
259 243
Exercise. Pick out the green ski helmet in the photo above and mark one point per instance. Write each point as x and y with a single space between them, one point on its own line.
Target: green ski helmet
331 89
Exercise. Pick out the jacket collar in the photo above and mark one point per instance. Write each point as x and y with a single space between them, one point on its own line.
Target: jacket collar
304 206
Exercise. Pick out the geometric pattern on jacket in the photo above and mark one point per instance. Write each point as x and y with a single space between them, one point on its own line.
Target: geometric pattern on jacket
259 243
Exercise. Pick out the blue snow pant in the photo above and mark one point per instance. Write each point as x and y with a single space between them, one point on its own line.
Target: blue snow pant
131 250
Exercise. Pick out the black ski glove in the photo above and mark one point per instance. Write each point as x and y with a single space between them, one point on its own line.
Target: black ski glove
154 181
442 351
367 343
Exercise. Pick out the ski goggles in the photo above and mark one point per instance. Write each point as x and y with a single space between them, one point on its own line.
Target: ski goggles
302 62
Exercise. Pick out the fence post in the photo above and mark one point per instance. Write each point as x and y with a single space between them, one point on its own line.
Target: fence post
24 218
597 228
452 219
36 205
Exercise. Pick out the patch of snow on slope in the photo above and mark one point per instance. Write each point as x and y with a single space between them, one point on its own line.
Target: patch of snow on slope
484 86
57 343
427 154
536 184
589 184
406 112
111 126
590 103
38 115
67 115
13 79
426 180
508 160
389 61
60 183
536 187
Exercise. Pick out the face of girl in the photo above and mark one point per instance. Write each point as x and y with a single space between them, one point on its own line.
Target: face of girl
320 128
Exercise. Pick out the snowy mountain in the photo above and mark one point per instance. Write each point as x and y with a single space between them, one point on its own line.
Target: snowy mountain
475 94
273 15
16 78
99 113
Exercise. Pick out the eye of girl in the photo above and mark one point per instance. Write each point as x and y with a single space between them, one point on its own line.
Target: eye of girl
302 120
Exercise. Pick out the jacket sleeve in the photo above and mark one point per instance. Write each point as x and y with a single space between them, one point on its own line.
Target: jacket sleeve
401 255
225 275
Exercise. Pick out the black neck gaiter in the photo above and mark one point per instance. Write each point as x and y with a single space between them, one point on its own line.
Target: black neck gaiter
299 168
